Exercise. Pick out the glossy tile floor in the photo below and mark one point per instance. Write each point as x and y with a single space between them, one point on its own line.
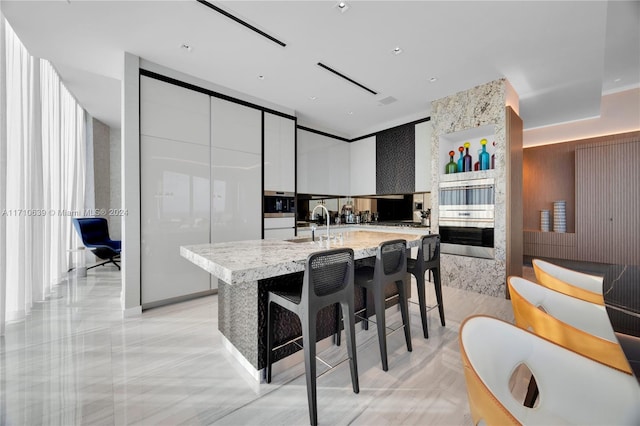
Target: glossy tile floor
75 360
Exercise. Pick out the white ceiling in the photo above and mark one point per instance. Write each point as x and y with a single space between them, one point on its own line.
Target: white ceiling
560 56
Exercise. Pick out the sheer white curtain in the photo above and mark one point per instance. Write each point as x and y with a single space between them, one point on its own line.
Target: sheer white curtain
41 179
63 141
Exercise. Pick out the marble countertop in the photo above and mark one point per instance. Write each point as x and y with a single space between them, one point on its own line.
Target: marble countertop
244 261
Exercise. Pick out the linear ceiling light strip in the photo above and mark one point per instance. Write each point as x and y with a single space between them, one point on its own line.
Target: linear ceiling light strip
241 22
362 86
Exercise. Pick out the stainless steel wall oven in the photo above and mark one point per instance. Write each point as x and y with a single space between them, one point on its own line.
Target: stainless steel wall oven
466 220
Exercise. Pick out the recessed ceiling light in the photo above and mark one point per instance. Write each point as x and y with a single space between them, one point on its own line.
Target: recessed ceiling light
342 6
313 98
397 50
433 79
185 46
261 77
350 113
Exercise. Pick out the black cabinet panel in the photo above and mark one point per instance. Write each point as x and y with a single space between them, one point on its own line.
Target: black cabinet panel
395 160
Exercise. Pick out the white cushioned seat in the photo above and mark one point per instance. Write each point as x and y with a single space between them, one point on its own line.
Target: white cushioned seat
573 389
578 325
573 283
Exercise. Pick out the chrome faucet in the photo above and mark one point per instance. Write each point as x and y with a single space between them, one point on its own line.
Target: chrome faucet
313 215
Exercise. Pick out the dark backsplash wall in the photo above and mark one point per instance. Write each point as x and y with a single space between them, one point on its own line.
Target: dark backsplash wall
395 209
395 160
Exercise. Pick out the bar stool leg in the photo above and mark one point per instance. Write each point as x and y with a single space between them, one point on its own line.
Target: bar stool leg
379 302
348 317
309 346
438 288
422 301
368 303
404 310
338 334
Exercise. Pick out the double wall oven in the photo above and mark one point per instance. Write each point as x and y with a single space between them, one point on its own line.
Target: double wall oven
466 218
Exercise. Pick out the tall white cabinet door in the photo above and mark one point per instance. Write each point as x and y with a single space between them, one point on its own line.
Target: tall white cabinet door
279 153
339 163
175 211
236 174
423 156
171 112
236 196
323 164
363 166
235 126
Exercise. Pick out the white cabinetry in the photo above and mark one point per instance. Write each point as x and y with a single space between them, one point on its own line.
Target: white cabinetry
236 196
200 182
171 112
279 228
236 126
423 156
174 188
236 161
363 166
279 153
323 164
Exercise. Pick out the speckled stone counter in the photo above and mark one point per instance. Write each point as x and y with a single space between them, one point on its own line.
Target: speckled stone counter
246 270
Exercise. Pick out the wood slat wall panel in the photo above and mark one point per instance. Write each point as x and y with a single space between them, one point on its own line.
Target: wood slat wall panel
608 194
550 244
549 175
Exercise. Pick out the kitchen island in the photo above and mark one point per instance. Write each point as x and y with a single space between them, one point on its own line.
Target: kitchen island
247 270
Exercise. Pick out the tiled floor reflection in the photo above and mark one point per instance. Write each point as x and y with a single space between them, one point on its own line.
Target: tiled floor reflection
75 360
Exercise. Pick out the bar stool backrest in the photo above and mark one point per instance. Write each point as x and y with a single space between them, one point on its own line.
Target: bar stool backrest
329 272
392 255
431 250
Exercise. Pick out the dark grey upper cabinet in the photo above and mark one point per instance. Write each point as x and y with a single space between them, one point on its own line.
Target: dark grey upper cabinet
395 160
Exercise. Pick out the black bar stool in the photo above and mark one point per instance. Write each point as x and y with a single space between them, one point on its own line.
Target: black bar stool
428 260
328 279
390 266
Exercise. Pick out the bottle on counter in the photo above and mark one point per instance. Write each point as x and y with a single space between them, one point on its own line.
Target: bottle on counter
476 165
451 166
461 159
493 156
467 160
485 161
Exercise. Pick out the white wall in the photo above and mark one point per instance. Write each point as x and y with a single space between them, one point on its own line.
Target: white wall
130 160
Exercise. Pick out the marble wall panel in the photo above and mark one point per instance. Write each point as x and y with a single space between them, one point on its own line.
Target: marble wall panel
115 222
479 106
484 276
101 165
